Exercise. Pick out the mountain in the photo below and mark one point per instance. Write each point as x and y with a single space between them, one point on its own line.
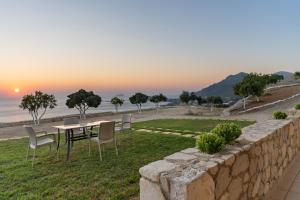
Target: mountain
223 88
285 74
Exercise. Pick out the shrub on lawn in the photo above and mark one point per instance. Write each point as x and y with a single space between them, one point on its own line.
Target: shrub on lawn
297 107
228 131
210 143
279 115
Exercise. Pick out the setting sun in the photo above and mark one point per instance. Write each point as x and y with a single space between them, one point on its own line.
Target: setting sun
17 90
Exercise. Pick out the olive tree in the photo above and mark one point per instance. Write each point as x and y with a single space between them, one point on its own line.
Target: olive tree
157 99
185 97
138 99
252 84
82 101
37 104
193 97
214 100
117 102
297 75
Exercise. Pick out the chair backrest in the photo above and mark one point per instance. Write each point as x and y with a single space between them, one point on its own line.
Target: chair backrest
106 130
31 133
126 121
71 121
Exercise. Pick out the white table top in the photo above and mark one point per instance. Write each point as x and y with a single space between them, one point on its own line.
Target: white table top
81 125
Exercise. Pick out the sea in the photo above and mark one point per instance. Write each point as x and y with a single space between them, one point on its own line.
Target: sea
10 111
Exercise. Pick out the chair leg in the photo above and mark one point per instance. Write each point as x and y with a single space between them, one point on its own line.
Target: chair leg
27 152
116 147
50 147
33 157
99 147
89 147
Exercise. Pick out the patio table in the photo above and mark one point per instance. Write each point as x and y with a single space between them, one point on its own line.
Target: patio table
70 138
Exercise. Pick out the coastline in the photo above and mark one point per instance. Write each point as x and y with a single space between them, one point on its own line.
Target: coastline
60 118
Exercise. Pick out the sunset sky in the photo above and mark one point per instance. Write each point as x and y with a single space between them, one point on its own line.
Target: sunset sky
154 45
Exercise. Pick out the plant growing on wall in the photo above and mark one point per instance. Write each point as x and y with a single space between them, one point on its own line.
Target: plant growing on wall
37 104
279 115
210 143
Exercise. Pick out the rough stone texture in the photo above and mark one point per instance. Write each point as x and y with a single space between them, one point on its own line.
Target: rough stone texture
153 170
248 169
149 190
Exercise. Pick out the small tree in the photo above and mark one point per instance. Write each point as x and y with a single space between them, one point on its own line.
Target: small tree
185 97
37 102
156 99
200 100
82 101
214 100
138 99
117 102
272 78
193 97
297 75
253 84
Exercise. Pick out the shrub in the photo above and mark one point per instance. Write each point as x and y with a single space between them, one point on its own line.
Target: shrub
228 131
279 115
297 107
210 143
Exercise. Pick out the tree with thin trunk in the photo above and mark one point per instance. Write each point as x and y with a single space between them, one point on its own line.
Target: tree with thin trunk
200 100
185 97
37 104
138 99
157 99
214 100
117 102
193 97
82 101
297 75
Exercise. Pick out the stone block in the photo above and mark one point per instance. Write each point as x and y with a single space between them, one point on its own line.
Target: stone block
153 170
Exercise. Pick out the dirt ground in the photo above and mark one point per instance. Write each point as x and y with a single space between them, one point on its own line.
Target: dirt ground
272 96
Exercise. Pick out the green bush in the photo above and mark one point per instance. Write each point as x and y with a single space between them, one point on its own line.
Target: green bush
228 131
279 115
297 107
210 143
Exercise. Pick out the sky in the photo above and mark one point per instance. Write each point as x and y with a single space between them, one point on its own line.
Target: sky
138 45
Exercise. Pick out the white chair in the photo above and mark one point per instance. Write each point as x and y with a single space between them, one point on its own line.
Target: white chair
124 124
37 141
106 134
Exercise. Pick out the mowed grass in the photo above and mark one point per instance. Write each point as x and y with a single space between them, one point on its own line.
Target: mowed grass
186 125
83 177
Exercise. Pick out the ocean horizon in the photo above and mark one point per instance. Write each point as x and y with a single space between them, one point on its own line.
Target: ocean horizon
10 111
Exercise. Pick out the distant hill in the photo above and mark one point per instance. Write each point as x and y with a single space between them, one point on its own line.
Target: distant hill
285 74
223 88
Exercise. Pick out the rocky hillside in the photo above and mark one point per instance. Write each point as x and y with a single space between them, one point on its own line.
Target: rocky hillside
223 88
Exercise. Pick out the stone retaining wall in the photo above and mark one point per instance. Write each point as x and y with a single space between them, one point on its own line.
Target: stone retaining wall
245 170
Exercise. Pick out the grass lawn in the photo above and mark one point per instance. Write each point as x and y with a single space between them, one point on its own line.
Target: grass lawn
86 177
185 125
